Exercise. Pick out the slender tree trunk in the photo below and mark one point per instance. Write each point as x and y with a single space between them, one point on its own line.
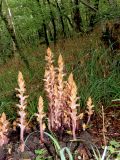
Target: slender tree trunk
87 4
61 18
44 24
11 24
53 21
11 31
77 17
67 20
93 14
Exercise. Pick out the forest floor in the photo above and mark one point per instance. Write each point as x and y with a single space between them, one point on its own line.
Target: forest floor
93 134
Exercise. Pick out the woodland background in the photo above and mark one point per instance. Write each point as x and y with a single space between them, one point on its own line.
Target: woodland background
87 34
82 30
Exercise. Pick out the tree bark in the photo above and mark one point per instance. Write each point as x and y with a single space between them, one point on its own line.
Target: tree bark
87 4
77 17
93 14
61 18
12 34
53 21
44 23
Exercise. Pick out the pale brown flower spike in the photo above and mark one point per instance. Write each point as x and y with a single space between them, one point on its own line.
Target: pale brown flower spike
66 108
40 115
49 83
4 127
22 109
73 103
90 110
60 76
58 88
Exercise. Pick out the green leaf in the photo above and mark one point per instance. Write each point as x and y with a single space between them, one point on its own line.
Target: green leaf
62 153
111 149
115 143
40 151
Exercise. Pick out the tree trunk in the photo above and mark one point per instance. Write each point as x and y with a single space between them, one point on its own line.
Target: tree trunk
53 21
44 24
93 15
77 17
61 18
11 31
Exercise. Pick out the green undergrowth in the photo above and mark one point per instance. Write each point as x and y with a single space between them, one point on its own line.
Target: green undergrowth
95 71
99 78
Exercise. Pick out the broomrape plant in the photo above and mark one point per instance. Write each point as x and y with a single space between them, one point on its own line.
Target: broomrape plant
62 106
22 109
49 85
4 127
72 103
62 96
40 115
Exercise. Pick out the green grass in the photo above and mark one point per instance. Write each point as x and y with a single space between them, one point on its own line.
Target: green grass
95 73
97 77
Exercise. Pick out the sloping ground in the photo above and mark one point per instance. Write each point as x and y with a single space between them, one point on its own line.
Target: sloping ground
96 75
85 56
93 136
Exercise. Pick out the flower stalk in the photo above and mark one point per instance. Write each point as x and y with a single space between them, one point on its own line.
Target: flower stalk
40 115
73 103
22 109
4 126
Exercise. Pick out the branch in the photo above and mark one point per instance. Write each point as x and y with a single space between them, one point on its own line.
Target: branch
11 31
0 7
88 5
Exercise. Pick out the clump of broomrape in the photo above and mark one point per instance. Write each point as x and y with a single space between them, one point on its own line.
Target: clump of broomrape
22 109
62 104
4 127
62 97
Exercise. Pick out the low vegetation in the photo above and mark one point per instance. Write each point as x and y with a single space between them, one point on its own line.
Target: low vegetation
63 117
64 103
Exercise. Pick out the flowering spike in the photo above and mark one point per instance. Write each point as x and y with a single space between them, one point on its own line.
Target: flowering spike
21 82
4 126
60 61
40 115
70 78
90 106
72 102
49 53
22 106
89 102
50 81
90 110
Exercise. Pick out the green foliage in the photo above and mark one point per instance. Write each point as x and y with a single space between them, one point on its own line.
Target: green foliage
113 146
7 106
97 76
5 44
110 151
59 150
89 76
29 16
41 154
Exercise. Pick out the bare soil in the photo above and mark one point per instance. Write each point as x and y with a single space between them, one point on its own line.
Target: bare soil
93 136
